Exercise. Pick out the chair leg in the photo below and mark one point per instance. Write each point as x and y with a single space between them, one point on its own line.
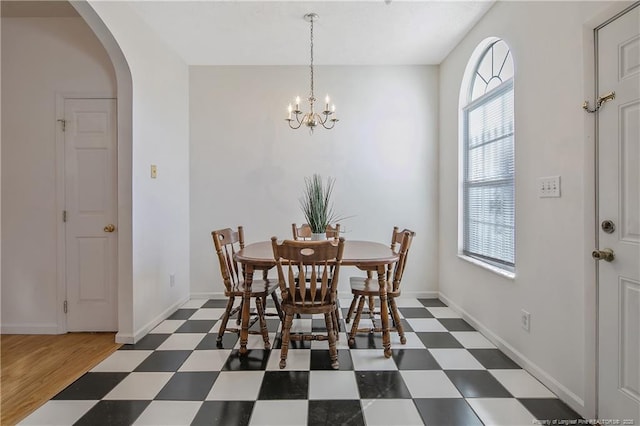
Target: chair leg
356 321
225 318
276 302
263 323
286 334
333 351
396 319
335 319
351 308
239 319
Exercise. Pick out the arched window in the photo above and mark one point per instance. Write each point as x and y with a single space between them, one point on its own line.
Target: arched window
488 174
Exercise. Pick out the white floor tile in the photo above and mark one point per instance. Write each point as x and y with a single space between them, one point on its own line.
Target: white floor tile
521 384
292 412
297 360
139 386
341 343
333 385
455 359
425 324
122 361
429 384
368 360
208 360
385 412
236 386
408 302
58 412
472 340
169 413
181 341
301 325
208 314
194 304
501 412
413 341
167 326
443 312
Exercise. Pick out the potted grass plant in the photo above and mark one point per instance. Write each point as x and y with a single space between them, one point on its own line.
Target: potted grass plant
316 204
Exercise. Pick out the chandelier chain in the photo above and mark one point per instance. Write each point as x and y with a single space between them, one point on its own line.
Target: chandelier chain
311 66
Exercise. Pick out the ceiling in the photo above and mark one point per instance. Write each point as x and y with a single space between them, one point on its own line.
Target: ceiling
359 32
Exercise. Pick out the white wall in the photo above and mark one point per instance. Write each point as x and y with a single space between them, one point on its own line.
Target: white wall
248 167
552 250
40 57
160 136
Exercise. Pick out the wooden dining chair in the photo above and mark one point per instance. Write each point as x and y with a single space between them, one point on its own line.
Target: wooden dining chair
304 231
227 242
368 288
315 296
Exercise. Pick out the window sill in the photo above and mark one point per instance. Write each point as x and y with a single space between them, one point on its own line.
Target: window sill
496 270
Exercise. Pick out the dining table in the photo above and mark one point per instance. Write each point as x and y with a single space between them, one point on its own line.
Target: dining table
365 255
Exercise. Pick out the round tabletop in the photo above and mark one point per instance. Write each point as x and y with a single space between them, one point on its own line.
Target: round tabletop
363 254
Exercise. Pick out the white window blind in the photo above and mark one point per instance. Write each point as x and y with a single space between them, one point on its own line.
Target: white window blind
488 183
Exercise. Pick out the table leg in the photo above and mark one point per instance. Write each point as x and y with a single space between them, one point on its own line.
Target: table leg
246 309
384 311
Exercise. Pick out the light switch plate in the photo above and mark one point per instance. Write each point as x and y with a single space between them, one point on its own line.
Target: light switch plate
154 171
549 186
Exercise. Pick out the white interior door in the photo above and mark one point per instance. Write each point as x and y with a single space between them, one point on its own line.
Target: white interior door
90 203
619 202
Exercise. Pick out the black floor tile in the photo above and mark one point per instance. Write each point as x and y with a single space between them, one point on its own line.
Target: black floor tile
272 325
320 360
216 303
91 386
210 341
439 340
493 359
182 314
237 413
456 324
432 303
284 385
446 412
549 409
293 344
113 413
149 342
196 326
414 359
381 384
415 313
188 386
477 384
254 359
163 361
367 341
335 412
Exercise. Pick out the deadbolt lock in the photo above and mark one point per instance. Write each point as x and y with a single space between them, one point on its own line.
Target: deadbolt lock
605 254
608 226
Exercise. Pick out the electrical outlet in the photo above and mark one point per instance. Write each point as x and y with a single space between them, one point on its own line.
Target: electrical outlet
525 320
172 280
549 187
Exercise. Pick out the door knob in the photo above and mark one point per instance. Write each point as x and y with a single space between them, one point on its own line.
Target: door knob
607 255
109 228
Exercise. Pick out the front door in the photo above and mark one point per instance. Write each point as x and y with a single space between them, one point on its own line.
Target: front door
618 47
90 203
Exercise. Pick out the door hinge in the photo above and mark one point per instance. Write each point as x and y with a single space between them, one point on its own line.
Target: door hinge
64 306
64 124
64 215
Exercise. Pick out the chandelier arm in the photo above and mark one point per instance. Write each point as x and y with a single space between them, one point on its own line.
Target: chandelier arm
295 127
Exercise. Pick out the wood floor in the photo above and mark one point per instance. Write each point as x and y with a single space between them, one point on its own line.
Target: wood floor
36 367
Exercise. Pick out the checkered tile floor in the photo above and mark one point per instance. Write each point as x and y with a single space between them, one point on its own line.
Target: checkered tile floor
446 374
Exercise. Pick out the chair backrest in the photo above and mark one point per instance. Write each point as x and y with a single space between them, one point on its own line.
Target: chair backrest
404 238
304 231
226 242
321 260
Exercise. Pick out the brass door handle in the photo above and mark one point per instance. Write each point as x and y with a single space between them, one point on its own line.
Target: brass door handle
606 254
109 228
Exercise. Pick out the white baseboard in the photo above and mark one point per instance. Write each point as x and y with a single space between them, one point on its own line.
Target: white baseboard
566 395
142 331
26 328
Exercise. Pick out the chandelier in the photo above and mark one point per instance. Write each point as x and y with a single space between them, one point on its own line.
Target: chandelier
311 119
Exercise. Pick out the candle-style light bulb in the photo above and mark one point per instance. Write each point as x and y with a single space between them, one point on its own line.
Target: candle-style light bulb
326 103
297 103
289 110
